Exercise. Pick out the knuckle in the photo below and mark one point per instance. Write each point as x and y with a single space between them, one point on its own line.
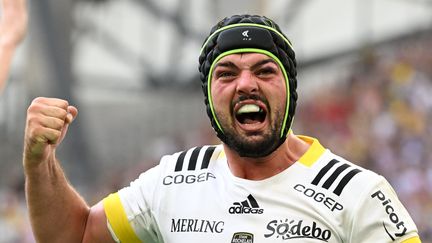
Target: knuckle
34 107
62 103
38 100
31 108
63 113
65 103
32 120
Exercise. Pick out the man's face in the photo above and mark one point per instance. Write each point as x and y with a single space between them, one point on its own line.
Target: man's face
249 98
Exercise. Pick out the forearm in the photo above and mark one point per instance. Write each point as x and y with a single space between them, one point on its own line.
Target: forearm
13 27
57 211
6 55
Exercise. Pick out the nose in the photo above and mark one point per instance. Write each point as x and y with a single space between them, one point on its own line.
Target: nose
246 83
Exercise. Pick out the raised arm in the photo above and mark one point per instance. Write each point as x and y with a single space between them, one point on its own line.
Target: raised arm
13 26
57 212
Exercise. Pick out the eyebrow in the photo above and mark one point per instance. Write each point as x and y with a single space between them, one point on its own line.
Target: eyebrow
230 64
225 64
263 62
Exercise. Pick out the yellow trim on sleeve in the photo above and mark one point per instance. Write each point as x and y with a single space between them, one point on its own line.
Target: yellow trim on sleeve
313 153
118 220
414 239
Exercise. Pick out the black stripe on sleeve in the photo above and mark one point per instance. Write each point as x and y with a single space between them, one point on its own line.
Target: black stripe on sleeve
180 160
323 171
345 181
193 159
335 174
207 156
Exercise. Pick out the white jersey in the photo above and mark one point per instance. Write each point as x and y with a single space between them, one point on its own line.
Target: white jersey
192 196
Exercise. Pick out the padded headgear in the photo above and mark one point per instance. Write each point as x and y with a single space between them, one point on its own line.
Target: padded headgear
242 34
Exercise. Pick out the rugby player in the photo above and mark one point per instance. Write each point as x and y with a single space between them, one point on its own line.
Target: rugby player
263 183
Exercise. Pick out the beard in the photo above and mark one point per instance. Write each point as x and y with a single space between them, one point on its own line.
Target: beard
268 143
253 145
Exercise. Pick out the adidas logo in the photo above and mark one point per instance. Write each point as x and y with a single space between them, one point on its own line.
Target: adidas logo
248 206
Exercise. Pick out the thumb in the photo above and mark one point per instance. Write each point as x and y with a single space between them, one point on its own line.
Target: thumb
70 117
72 114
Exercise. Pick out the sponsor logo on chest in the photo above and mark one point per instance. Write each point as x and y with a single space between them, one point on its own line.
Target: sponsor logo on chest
319 197
296 229
188 179
248 206
197 226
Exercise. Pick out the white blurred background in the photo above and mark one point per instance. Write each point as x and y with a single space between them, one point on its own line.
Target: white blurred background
131 68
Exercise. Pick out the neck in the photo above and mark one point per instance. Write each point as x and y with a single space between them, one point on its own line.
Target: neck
264 167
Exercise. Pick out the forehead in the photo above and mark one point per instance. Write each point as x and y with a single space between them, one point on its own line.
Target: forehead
244 58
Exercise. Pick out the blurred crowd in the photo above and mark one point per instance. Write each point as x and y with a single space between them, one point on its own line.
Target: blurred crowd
378 116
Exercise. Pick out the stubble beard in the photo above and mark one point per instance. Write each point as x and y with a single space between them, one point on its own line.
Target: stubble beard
245 145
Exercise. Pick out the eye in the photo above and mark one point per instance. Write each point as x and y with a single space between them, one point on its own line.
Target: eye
224 74
266 71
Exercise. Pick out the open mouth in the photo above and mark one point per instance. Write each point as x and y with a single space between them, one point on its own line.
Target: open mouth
250 114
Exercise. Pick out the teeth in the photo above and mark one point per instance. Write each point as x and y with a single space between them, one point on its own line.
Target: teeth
249 108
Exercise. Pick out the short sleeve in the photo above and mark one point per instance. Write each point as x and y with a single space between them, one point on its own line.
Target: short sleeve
129 211
381 217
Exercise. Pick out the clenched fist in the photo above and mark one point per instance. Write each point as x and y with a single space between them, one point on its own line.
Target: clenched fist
46 126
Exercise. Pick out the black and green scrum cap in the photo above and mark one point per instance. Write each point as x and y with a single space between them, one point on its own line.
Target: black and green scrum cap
248 33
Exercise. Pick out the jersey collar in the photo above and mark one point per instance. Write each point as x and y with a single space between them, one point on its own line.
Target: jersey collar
309 158
313 153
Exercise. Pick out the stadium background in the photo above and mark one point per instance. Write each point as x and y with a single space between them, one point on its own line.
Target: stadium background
365 81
